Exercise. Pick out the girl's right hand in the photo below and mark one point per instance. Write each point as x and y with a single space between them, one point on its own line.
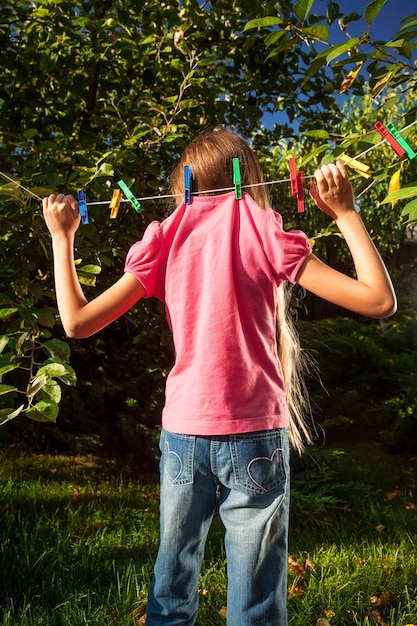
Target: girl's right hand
333 193
61 214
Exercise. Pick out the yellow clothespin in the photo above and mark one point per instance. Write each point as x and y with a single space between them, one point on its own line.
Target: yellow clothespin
115 203
361 168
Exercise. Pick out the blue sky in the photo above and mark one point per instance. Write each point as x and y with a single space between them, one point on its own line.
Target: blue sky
388 20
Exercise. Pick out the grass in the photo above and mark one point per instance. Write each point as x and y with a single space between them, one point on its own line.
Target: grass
79 536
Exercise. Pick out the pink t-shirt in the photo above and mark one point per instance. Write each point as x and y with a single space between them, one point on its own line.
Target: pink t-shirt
216 264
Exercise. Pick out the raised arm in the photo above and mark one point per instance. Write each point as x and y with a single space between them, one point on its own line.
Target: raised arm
79 317
371 293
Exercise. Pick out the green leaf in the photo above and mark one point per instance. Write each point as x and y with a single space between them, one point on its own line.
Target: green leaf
8 414
53 369
6 389
6 313
4 340
51 391
302 9
36 385
43 411
319 133
263 22
341 48
57 349
90 269
401 194
62 371
313 154
274 36
373 9
7 368
319 31
410 209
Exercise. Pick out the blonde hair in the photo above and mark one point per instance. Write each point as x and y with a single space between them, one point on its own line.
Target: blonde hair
210 158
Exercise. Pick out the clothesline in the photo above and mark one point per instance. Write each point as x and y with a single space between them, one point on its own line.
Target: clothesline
221 190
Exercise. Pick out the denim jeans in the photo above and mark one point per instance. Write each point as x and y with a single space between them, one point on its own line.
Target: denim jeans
251 472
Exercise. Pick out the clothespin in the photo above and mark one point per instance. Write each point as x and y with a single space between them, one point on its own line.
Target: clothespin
129 195
236 179
82 206
361 168
293 177
115 203
187 184
300 193
384 132
403 143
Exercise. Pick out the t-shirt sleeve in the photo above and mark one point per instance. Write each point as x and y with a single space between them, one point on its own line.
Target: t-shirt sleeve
286 251
145 258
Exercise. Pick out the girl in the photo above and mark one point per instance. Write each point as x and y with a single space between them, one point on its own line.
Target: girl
232 396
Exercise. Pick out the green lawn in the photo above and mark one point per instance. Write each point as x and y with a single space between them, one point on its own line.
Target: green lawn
79 536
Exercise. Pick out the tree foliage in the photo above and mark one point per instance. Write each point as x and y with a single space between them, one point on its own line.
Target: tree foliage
93 92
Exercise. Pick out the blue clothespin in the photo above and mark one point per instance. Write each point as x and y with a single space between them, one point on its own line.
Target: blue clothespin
187 184
129 195
236 179
82 206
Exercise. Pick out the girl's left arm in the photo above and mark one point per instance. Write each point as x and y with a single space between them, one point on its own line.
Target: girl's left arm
79 317
371 293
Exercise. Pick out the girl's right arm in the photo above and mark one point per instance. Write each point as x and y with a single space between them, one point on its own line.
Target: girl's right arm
79 317
371 293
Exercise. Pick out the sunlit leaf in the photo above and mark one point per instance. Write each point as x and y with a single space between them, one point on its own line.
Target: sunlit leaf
6 389
341 48
394 184
43 411
302 9
350 79
8 414
263 22
373 9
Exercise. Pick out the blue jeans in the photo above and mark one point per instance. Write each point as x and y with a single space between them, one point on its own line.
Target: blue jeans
251 473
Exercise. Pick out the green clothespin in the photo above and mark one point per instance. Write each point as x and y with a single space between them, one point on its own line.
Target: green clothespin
236 179
400 139
129 195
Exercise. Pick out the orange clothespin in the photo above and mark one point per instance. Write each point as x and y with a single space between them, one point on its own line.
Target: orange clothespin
300 192
384 132
361 168
115 203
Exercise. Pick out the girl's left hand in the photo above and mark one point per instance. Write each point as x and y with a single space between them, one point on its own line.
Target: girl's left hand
61 214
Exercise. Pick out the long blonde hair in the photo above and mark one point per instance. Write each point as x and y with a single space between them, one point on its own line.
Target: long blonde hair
210 157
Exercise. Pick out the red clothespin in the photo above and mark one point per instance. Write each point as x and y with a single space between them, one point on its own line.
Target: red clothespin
293 177
384 132
300 193
115 203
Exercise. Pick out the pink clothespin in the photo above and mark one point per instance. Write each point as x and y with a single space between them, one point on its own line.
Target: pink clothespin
300 193
384 132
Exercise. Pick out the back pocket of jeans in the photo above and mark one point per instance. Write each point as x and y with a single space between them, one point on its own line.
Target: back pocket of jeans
260 461
178 458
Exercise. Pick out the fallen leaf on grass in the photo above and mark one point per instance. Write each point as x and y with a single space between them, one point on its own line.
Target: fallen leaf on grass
138 614
295 566
380 528
381 600
322 622
391 495
376 615
295 591
223 612
409 506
